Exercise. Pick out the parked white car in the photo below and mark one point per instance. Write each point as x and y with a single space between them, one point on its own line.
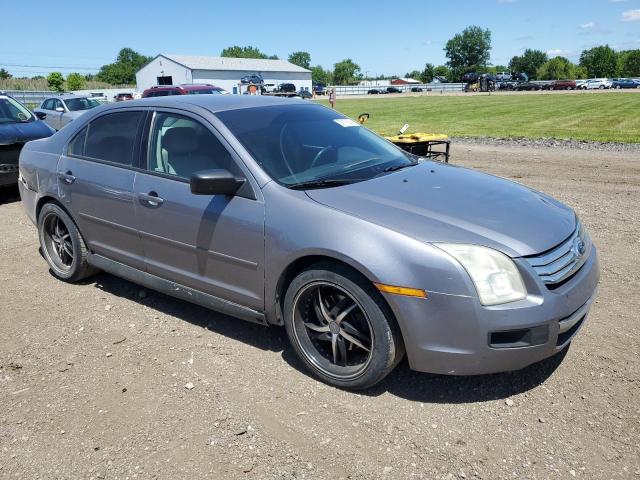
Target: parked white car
597 84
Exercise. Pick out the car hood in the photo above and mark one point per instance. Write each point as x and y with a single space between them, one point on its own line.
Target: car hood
435 202
11 133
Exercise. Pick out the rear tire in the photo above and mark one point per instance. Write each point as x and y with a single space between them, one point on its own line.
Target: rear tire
62 245
341 328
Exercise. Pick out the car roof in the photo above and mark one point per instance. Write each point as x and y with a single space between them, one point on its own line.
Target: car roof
66 96
213 103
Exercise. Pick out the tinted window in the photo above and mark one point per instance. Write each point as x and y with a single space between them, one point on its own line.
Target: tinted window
112 137
57 104
302 143
48 104
76 104
76 146
182 146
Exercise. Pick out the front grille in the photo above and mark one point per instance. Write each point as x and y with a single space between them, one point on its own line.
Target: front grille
559 264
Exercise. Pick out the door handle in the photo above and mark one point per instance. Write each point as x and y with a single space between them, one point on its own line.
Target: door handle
67 177
150 200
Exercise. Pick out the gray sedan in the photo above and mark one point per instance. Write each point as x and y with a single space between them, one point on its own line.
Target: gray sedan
59 110
286 213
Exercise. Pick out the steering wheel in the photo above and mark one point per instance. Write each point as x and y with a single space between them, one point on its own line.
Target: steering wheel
320 154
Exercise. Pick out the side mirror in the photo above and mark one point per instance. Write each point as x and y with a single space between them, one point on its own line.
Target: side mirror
41 115
59 109
215 182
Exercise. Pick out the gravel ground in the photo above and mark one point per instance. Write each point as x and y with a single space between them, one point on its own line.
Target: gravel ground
105 380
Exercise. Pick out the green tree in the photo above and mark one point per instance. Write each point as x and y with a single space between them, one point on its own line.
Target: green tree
302 59
320 75
468 51
557 68
245 52
442 71
529 62
123 70
55 80
413 74
75 81
345 72
4 75
600 61
427 74
629 63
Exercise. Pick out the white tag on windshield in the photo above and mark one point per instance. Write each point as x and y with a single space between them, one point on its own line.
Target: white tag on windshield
346 122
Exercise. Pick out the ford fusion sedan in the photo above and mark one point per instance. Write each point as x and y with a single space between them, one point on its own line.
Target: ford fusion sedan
59 110
286 213
17 126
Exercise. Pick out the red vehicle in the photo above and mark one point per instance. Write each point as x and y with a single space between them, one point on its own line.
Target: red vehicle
563 85
185 89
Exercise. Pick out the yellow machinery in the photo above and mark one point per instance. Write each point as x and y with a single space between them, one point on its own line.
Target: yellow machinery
431 145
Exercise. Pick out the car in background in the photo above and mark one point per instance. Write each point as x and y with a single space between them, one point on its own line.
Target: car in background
416 89
286 88
319 88
393 90
528 86
17 126
377 91
305 94
619 83
597 84
562 85
254 78
59 110
123 97
99 97
362 251
184 89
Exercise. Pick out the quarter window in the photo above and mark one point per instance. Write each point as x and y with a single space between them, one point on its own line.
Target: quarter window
112 137
181 146
76 146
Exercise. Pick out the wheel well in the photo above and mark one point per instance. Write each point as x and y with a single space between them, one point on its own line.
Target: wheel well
44 200
305 263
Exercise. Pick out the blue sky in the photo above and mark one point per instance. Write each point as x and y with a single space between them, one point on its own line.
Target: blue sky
382 37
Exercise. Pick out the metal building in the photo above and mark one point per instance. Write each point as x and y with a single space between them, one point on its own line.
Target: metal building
223 72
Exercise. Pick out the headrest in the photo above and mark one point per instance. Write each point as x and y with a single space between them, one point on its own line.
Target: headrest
180 140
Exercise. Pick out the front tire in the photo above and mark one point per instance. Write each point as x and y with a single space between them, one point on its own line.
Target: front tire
62 245
341 328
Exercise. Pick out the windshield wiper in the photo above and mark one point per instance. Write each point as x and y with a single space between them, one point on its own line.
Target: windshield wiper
395 168
331 182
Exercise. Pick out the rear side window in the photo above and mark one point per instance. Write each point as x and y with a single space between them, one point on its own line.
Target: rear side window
112 137
76 146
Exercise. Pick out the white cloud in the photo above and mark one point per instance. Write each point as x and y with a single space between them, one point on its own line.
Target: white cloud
631 16
558 52
588 26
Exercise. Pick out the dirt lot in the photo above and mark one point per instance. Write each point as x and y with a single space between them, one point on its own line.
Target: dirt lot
92 376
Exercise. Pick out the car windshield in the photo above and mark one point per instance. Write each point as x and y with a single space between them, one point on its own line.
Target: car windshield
77 104
299 144
13 112
202 91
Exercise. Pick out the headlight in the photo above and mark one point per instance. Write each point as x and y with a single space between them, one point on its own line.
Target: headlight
495 276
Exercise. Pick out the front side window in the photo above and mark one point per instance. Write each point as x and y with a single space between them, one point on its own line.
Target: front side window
57 104
48 104
296 144
181 146
12 112
112 137
206 91
77 104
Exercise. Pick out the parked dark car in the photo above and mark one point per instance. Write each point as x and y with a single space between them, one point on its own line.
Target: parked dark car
254 78
528 86
287 213
17 126
393 90
374 91
319 89
185 89
305 94
562 85
286 88
123 97
416 89
619 83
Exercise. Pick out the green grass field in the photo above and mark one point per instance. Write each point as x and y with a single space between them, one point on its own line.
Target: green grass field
606 117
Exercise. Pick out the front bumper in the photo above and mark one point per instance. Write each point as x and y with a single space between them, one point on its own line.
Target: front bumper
456 335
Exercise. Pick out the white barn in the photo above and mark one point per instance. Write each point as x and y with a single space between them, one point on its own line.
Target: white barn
223 72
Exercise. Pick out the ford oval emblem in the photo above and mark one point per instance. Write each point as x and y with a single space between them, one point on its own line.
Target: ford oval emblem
579 247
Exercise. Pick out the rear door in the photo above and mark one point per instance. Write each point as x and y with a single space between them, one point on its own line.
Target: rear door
212 243
95 178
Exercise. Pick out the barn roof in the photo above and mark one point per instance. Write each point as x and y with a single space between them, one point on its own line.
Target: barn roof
196 62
